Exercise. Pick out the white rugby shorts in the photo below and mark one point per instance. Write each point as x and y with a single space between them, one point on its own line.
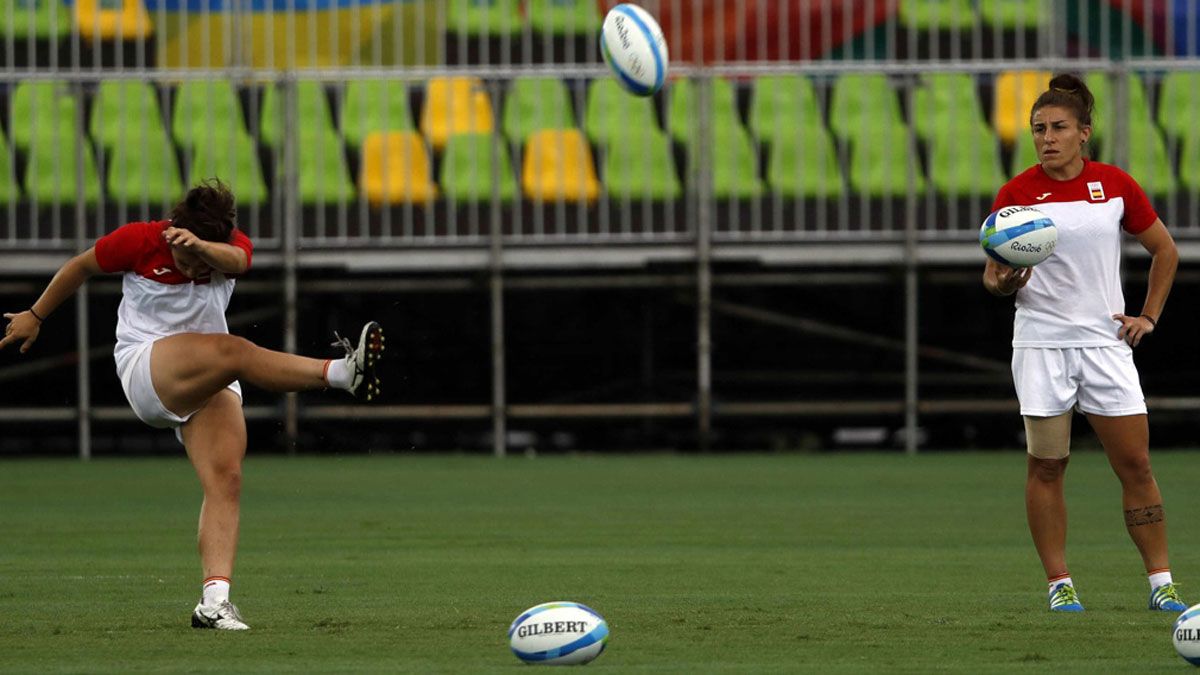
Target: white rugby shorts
133 367
1096 380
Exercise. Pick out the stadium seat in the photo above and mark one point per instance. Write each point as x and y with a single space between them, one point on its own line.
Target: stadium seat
234 160
802 163
10 189
1014 14
455 105
1189 163
1016 92
536 103
642 168
612 112
924 15
862 102
122 110
144 169
964 158
879 163
51 173
51 19
374 105
42 110
483 17
734 165
468 165
941 99
1178 100
683 115
313 119
322 174
1102 89
396 168
125 20
563 17
1024 155
778 103
558 166
206 109
1149 163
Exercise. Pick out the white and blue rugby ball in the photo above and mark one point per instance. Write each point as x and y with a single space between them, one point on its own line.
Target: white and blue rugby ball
558 633
634 47
1186 635
1018 236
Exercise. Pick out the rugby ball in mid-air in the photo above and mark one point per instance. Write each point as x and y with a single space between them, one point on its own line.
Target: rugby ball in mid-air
634 48
1186 635
1018 236
558 633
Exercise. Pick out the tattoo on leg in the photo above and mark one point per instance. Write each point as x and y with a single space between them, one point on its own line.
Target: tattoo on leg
1144 515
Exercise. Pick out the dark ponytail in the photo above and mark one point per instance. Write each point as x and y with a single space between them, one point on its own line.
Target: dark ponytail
1067 91
208 210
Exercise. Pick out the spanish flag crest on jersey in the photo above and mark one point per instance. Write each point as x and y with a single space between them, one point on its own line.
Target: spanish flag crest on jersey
1096 190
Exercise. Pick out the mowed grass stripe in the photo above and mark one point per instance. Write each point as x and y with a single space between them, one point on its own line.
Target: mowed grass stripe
817 563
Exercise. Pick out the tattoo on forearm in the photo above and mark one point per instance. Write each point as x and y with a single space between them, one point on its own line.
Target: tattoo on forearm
1144 515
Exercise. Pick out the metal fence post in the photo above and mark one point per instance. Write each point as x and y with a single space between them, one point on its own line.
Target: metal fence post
291 222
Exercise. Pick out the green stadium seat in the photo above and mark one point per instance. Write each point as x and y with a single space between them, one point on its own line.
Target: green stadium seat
879 159
468 166
862 102
52 169
374 105
483 17
1104 93
1149 163
313 119
1014 14
10 189
1024 155
612 114
51 19
42 110
206 109
683 114
536 103
563 17
779 103
734 165
924 15
234 160
1189 163
122 111
642 166
802 164
144 169
942 98
964 159
323 176
1178 100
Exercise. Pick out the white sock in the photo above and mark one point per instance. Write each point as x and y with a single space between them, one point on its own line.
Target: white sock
337 373
216 591
1055 583
1160 578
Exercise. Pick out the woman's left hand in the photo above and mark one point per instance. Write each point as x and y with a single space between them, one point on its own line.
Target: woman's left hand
1133 328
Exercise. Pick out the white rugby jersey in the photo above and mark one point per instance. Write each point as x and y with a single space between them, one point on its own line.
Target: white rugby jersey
157 299
1072 295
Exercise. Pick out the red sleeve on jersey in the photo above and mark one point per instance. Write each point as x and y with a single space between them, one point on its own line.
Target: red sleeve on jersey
121 249
1139 213
240 240
1003 198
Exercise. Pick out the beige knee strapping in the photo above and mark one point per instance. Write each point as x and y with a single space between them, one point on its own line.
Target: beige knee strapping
1048 437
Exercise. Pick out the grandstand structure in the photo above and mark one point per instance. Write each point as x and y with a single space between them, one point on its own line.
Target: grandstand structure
415 145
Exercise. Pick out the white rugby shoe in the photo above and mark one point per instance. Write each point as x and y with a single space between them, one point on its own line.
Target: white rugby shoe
361 360
221 616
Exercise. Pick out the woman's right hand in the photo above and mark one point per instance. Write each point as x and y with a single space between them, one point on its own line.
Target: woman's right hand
1009 279
21 326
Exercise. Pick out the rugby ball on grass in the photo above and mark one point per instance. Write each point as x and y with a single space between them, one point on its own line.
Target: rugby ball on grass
558 633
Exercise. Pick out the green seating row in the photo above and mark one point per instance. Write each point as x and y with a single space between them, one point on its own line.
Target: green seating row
504 17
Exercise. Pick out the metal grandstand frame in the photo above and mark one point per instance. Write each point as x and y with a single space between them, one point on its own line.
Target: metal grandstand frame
612 236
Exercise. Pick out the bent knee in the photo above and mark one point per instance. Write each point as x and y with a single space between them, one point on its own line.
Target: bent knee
232 349
225 482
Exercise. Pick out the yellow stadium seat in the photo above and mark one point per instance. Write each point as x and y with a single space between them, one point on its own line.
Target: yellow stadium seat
558 165
1016 92
396 168
113 20
455 105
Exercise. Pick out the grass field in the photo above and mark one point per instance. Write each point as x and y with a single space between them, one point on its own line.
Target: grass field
750 564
